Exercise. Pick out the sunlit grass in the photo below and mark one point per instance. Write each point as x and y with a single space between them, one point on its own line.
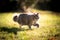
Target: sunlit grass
49 26
6 19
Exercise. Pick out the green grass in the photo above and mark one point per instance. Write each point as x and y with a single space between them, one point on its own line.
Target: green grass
49 27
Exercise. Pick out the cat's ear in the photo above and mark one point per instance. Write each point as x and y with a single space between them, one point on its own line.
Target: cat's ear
37 13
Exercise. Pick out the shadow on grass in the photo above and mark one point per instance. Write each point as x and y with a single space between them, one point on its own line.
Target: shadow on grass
12 30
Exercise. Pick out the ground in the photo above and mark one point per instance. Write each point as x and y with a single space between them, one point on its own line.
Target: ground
49 28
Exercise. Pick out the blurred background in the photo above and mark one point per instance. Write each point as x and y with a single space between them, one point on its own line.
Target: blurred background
15 5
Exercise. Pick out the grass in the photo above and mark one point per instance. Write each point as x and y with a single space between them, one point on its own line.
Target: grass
49 27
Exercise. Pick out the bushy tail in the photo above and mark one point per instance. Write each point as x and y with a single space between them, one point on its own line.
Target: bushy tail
15 18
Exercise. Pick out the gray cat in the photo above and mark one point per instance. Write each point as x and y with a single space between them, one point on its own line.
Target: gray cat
25 19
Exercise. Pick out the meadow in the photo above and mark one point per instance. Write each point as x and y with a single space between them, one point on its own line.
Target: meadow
49 28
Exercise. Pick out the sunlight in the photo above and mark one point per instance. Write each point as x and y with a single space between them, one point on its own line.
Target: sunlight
16 14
